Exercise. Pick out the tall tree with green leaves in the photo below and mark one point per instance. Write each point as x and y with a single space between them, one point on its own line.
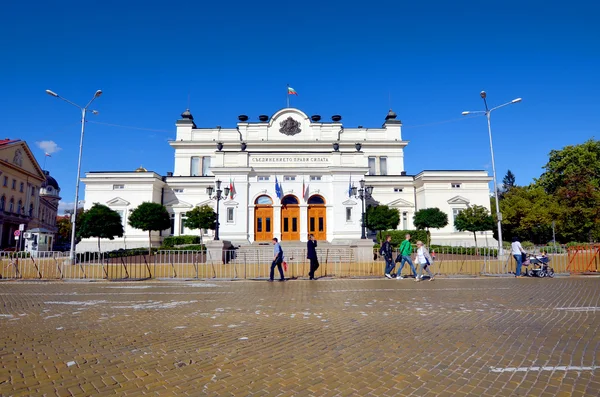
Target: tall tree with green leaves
101 222
201 218
474 219
430 218
381 218
150 216
508 182
572 175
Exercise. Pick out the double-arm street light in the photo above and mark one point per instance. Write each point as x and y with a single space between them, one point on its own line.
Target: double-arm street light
83 114
488 113
218 196
363 193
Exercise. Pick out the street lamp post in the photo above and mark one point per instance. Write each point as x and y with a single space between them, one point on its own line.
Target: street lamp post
218 196
83 114
363 193
488 114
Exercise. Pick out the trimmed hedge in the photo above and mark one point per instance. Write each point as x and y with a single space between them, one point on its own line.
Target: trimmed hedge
193 247
398 236
121 253
172 241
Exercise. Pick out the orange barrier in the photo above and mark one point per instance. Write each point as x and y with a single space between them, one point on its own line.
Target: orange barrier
584 258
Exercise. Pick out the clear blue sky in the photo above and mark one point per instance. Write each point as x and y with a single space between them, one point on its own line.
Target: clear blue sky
236 57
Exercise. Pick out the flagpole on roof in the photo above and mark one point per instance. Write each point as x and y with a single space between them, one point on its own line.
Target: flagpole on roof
287 95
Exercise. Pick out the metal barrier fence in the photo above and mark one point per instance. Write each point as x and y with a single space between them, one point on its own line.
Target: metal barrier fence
255 263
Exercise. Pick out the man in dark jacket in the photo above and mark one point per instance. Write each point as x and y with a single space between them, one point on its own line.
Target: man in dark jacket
311 253
386 251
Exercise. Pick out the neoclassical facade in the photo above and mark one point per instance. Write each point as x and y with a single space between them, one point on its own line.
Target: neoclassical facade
289 175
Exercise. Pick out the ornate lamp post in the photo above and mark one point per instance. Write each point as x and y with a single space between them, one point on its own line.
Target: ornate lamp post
363 193
218 196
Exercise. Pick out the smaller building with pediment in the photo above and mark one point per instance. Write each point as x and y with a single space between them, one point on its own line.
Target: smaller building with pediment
290 174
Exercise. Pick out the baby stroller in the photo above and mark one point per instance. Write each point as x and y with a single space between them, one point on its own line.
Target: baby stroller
539 266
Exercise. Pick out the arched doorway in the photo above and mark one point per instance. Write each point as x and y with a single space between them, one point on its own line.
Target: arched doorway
317 217
263 218
290 219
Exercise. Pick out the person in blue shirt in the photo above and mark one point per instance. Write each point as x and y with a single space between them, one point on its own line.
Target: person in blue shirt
277 260
311 254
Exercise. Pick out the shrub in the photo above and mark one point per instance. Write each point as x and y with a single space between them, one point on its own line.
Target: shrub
172 241
193 247
398 236
527 245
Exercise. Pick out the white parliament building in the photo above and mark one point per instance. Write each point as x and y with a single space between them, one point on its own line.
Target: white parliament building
314 161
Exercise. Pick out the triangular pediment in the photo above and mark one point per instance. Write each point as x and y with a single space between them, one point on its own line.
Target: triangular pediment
178 204
400 203
459 200
210 203
17 154
349 202
117 202
230 203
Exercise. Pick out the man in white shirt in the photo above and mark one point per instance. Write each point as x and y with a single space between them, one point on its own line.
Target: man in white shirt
517 252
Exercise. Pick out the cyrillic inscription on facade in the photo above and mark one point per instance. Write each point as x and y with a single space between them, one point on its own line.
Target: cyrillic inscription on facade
289 159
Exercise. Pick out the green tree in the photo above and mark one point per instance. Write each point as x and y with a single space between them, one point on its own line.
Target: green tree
508 182
201 218
474 219
572 175
101 222
65 226
382 217
150 216
527 213
428 218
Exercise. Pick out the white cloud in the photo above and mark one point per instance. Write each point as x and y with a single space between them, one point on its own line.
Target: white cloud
48 146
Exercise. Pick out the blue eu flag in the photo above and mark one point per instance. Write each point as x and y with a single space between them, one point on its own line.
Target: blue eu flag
278 191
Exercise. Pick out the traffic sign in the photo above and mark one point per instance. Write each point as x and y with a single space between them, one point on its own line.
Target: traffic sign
17 233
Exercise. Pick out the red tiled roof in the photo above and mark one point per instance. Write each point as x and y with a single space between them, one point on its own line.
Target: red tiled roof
7 141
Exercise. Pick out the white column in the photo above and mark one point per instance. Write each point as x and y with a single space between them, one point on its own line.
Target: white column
251 226
277 221
303 222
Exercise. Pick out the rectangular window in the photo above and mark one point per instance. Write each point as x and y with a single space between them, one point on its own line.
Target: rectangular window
286 224
195 166
371 165
205 165
383 166
263 178
398 190
122 215
259 225
321 224
230 211
456 185
182 225
268 225
348 214
33 190
21 187
178 190
294 224
14 185
315 177
118 187
172 224
289 178
455 212
5 183
312 225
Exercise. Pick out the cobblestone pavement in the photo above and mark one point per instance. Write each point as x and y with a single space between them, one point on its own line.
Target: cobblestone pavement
479 337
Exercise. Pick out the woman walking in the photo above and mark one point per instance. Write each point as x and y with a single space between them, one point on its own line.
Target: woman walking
424 259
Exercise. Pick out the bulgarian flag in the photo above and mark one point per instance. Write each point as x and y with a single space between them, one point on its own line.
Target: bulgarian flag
292 91
232 191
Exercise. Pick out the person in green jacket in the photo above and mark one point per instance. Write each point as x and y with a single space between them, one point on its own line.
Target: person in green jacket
405 252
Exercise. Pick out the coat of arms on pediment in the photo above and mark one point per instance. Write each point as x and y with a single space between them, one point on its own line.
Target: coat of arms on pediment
290 127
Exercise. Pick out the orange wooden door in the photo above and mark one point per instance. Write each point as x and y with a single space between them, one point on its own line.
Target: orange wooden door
290 223
317 222
263 223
